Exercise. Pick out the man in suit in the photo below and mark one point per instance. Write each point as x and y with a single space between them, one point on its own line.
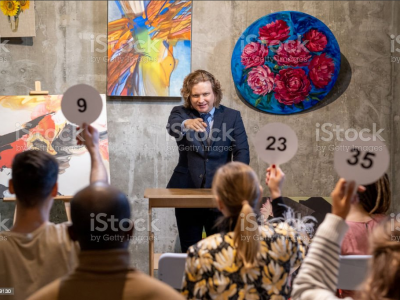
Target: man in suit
208 136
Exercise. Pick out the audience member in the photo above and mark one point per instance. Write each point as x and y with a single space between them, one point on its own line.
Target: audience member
363 218
35 251
245 261
317 278
101 224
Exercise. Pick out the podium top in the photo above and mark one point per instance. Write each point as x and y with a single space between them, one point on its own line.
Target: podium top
178 193
180 198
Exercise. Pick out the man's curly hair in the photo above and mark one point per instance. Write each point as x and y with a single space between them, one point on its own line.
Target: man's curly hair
195 78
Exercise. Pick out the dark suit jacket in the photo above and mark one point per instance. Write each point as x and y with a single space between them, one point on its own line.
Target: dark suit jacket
197 157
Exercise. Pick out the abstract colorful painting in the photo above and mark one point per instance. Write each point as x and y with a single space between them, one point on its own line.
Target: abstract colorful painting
17 19
149 47
36 122
285 63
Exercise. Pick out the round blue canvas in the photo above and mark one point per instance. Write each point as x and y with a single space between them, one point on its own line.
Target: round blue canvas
285 63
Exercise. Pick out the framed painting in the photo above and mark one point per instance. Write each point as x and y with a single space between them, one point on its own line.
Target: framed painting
149 47
17 19
285 63
36 122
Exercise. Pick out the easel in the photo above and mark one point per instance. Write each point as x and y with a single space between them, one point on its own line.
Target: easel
38 92
66 200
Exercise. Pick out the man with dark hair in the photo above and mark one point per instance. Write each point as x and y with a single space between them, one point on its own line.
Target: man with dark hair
101 224
35 252
34 177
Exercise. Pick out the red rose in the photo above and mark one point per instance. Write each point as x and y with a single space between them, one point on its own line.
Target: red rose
261 80
291 86
253 55
292 53
317 41
321 71
275 32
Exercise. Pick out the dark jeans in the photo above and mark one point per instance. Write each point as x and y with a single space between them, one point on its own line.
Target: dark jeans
190 223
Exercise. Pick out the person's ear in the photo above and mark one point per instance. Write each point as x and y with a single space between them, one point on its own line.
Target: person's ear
11 187
220 204
54 191
71 233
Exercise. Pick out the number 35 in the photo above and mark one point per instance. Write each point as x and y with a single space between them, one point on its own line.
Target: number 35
367 159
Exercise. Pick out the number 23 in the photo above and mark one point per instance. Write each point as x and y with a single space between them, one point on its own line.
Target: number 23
273 139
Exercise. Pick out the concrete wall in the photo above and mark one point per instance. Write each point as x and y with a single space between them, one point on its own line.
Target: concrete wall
141 155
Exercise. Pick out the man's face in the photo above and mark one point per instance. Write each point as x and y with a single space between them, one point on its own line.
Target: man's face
202 97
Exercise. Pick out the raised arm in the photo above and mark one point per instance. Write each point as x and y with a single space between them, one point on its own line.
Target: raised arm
240 145
318 276
90 135
274 179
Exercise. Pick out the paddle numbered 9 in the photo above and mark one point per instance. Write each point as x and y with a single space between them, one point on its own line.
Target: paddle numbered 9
81 104
276 143
364 160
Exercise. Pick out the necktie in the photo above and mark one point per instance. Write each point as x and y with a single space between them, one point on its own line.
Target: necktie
205 119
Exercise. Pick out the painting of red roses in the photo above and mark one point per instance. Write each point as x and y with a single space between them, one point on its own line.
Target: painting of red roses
285 63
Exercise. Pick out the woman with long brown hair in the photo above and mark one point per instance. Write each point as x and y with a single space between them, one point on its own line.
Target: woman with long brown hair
318 275
362 219
244 261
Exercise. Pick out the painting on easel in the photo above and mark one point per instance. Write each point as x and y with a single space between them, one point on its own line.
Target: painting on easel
17 19
36 122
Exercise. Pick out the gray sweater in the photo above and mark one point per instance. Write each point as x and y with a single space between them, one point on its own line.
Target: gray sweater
318 276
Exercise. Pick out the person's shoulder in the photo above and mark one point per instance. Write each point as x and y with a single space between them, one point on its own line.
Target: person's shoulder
60 231
228 110
272 231
180 108
213 242
225 109
142 286
379 217
48 292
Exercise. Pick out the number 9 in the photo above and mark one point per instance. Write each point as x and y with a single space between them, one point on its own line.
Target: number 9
82 105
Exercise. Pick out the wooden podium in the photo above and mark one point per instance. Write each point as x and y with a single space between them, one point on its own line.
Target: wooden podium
180 198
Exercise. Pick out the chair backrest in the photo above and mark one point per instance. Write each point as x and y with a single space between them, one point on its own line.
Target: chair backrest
171 269
352 271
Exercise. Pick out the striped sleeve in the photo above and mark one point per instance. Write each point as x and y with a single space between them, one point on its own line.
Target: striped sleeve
318 275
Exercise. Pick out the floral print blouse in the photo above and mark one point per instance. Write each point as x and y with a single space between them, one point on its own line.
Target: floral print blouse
213 270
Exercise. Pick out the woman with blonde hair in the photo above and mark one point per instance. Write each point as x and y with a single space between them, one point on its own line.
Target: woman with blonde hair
317 278
243 261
